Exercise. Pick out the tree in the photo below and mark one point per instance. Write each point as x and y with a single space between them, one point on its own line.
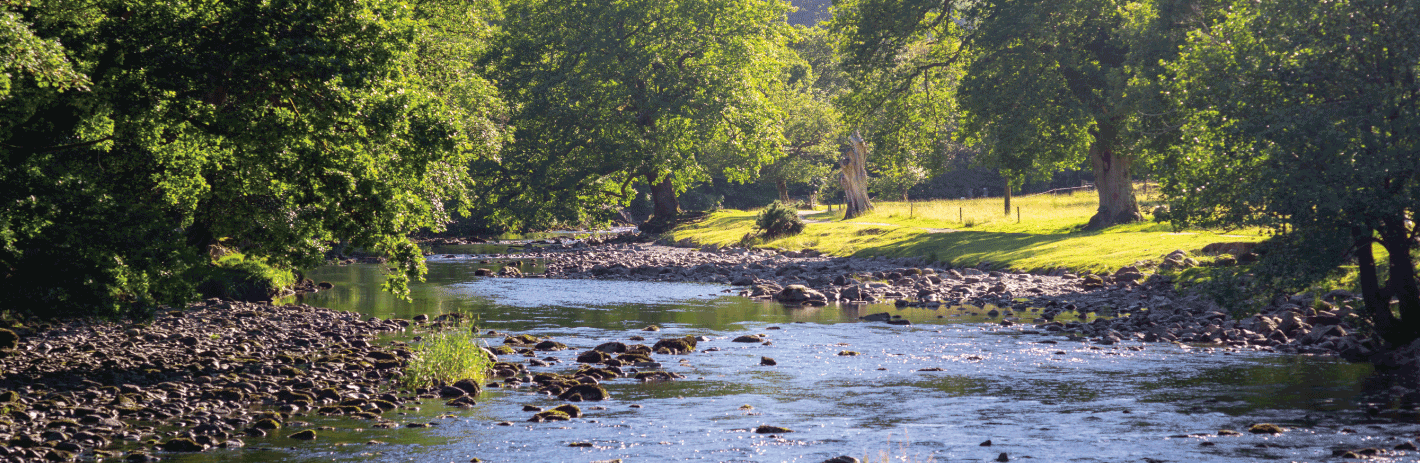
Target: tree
1304 118
160 132
612 93
908 112
812 126
1042 81
896 180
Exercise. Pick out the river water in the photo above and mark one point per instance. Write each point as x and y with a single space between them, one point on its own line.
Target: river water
1034 397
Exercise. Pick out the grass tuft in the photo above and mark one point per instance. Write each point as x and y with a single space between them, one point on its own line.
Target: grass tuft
444 358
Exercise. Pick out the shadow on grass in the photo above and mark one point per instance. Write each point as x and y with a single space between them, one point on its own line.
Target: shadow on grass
971 247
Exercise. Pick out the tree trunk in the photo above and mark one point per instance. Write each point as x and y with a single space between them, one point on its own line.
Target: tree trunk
855 179
1376 298
1402 285
667 207
1008 198
783 187
1112 181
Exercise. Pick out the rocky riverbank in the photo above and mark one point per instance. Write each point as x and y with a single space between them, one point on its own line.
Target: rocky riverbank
192 379
1134 303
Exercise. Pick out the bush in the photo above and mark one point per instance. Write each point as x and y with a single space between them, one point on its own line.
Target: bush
779 219
446 357
236 277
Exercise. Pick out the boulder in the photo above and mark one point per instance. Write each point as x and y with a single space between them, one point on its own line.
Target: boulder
798 294
590 392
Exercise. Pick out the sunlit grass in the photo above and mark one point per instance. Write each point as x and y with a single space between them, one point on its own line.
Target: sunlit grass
444 358
1048 234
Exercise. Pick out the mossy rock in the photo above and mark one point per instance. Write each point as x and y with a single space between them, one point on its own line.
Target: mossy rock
600 373
183 444
1228 432
589 392
9 397
849 353
646 376
685 344
593 356
290 371
267 424
550 346
550 415
384 405
766 429
521 340
571 410
503 350
62 422
469 386
634 358
304 435
1265 428
464 401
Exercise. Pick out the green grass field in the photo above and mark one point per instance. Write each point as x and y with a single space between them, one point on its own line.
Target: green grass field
969 232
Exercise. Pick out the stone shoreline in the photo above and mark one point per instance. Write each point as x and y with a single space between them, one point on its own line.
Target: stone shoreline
104 389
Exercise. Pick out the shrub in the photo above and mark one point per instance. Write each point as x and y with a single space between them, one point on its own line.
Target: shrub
779 219
446 357
234 276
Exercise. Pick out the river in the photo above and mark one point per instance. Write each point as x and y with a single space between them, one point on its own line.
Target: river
937 390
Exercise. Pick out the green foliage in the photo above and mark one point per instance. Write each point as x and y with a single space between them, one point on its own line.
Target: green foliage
607 94
237 277
903 62
894 181
1303 118
1031 87
444 358
812 126
779 219
278 126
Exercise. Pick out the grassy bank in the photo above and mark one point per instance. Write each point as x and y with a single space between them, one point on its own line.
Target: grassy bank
968 232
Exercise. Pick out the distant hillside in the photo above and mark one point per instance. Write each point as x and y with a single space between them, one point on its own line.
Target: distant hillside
810 11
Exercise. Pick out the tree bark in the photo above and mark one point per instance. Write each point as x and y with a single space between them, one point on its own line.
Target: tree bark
1395 236
663 197
1376 298
783 187
855 179
1112 180
1008 198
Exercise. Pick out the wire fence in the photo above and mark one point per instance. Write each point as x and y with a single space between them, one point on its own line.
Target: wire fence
1061 191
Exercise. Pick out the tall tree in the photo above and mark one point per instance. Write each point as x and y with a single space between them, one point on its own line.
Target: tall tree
1304 118
611 93
273 127
812 125
907 111
1046 84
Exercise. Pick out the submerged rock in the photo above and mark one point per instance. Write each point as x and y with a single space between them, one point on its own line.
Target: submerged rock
767 429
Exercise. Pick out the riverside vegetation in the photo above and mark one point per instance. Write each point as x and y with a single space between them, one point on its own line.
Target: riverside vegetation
155 153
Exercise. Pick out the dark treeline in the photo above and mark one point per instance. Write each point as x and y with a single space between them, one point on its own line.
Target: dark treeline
155 152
